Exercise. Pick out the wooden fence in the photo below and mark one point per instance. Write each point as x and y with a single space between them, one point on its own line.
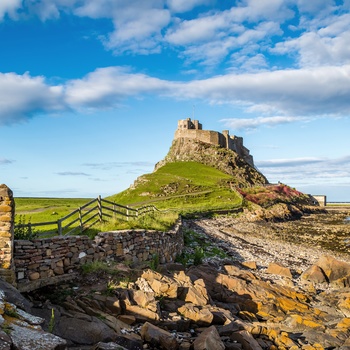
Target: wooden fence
87 216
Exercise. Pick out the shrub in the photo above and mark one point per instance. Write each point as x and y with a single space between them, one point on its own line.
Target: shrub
24 230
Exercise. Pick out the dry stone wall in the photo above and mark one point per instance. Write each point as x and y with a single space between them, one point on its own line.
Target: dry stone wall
7 213
41 262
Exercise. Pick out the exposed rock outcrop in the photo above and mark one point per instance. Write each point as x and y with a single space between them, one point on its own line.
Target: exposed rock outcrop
225 160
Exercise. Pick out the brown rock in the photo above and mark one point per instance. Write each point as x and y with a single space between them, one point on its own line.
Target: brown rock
158 337
128 319
250 264
142 314
276 269
197 294
246 339
334 269
209 340
200 316
34 276
314 274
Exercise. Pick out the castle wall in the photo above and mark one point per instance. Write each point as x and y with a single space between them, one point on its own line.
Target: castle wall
193 130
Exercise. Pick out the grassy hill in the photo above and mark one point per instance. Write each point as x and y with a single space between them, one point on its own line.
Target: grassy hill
184 186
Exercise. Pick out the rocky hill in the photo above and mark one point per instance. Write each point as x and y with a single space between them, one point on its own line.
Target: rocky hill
225 160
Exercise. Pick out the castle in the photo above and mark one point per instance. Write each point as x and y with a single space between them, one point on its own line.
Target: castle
192 129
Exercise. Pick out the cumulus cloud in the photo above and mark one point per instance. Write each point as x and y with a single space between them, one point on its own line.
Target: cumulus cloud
178 6
316 91
22 96
106 87
303 93
9 7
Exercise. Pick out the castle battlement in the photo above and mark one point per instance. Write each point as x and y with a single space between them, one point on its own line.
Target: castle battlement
192 129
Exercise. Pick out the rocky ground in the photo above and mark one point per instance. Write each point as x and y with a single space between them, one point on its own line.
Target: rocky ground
281 285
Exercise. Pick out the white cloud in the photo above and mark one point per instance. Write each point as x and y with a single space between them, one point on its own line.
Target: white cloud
22 96
307 172
185 5
9 7
106 87
272 163
316 91
302 93
137 23
254 123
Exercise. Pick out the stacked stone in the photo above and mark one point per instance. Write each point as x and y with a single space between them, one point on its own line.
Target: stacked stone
140 245
41 262
7 213
41 259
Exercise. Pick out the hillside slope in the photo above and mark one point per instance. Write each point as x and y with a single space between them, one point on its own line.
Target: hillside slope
183 185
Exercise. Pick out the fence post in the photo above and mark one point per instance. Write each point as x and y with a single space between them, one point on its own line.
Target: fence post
99 205
59 227
127 213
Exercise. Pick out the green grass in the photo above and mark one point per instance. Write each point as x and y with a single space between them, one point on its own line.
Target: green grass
183 186
46 209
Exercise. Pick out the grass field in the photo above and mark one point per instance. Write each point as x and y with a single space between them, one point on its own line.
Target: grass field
46 209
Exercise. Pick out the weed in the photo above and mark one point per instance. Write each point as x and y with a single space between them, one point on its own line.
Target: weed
154 263
24 230
6 328
52 321
198 256
11 311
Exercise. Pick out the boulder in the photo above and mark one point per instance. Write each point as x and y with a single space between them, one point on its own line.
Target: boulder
334 269
200 316
27 337
84 329
277 269
209 340
246 340
158 337
314 274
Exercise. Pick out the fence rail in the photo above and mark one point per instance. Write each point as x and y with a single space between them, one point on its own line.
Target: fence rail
89 215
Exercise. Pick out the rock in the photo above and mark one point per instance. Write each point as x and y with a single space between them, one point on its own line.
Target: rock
91 329
334 269
13 296
246 339
130 341
143 299
158 337
197 294
200 316
250 264
314 274
141 314
161 285
110 346
209 340
25 337
276 269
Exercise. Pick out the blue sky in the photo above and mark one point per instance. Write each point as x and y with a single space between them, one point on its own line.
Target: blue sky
91 91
